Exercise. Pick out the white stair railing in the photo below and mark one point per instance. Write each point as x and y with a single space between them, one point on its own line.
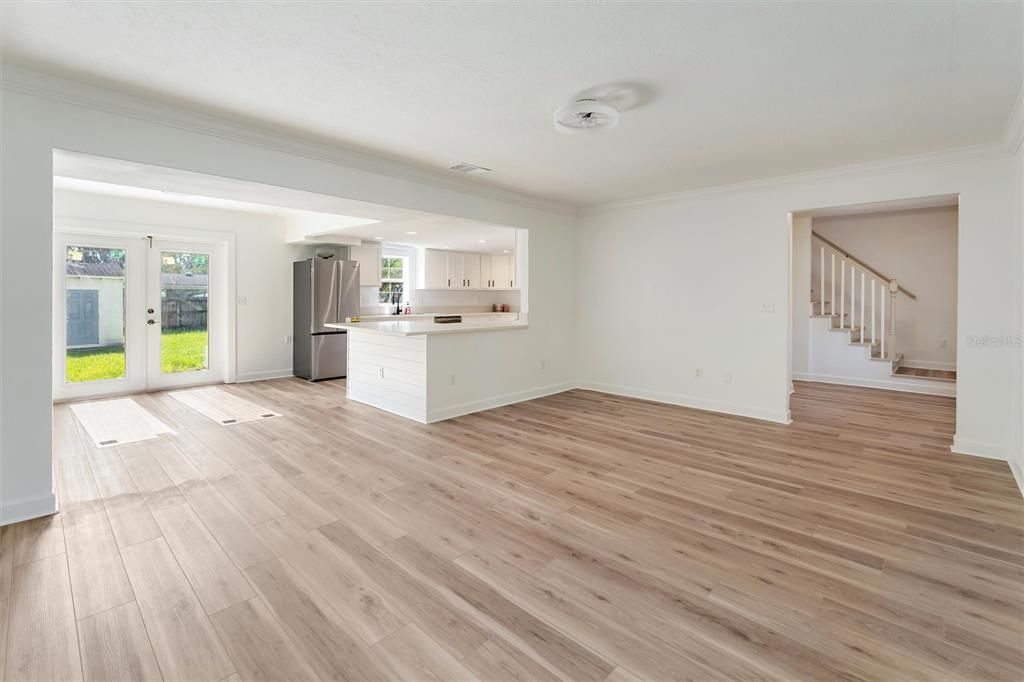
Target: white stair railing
871 316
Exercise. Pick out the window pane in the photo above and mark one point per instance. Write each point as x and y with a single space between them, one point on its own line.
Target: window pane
184 299
94 292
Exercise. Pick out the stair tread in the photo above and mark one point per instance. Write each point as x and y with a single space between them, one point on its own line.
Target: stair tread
921 373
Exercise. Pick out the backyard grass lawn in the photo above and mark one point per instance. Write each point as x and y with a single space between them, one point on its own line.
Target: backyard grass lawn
95 363
180 351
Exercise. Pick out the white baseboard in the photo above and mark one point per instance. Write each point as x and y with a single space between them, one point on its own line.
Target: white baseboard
976 448
451 411
264 375
1018 475
26 508
905 384
782 417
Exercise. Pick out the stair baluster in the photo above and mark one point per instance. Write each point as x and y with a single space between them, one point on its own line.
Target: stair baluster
853 297
873 311
821 303
832 283
881 351
862 306
842 293
893 288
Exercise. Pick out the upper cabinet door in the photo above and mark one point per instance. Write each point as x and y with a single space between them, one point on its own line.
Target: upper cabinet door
457 270
436 270
501 271
486 281
368 255
471 270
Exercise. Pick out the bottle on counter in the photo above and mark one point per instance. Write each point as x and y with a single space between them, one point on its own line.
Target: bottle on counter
408 307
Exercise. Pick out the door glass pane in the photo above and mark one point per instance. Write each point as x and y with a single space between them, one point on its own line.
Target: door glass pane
94 294
184 295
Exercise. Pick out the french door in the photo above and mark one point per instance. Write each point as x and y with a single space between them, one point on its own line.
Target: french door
135 314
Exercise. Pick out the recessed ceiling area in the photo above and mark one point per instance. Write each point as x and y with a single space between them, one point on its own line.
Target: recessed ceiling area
709 93
312 218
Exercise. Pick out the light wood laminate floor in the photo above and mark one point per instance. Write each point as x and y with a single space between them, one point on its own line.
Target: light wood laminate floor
580 536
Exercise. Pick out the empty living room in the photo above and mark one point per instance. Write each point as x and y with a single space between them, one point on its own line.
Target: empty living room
570 340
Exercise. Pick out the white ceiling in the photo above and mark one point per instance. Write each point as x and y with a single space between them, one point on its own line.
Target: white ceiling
712 93
322 218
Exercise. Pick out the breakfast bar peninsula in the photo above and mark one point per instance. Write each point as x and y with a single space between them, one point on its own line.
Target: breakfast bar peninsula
414 367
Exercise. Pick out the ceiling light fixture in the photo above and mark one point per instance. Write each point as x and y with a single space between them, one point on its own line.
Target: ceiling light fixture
410 233
481 241
586 117
468 168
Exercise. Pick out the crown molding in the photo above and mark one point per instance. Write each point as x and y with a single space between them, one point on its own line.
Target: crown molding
36 83
103 98
944 157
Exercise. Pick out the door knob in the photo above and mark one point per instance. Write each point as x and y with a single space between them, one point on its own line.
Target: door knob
150 321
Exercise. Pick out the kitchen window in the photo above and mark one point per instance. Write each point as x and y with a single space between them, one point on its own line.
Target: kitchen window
393 272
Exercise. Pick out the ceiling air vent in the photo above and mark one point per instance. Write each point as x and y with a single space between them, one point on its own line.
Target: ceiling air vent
468 168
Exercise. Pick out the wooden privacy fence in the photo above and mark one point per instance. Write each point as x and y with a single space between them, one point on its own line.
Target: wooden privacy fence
183 314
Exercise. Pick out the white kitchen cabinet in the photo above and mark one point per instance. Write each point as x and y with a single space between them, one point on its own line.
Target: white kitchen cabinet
496 271
501 272
456 270
435 269
368 255
464 270
471 271
485 271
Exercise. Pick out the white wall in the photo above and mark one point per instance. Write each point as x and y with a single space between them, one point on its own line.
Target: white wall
262 260
40 114
918 248
679 283
1017 457
801 293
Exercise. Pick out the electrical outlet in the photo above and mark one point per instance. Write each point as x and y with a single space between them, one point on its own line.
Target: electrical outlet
727 378
241 300
699 373
768 305
451 380
943 344
543 364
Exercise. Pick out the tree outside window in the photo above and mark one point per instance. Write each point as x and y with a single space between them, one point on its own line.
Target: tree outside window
392 279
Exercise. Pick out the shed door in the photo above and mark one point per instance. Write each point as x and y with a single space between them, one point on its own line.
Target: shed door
83 317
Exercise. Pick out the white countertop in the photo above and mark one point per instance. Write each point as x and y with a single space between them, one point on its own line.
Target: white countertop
427 327
423 316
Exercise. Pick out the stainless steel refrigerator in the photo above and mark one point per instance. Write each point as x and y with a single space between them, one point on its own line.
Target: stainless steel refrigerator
326 290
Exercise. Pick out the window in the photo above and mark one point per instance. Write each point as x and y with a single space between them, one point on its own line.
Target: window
94 290
392 279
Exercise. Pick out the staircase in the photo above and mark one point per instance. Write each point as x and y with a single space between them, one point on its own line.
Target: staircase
851 299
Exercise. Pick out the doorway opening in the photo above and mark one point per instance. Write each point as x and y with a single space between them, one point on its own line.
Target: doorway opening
874 295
